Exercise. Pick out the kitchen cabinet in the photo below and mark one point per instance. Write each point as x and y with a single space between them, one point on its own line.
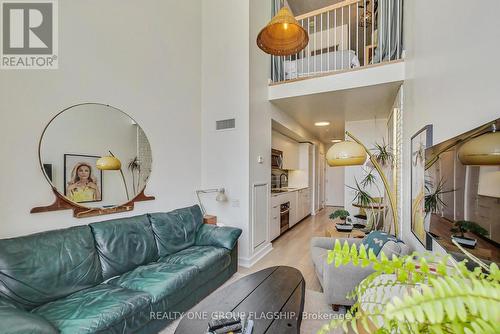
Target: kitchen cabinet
274 228
290 149
300 207
291 157
294 217
304 203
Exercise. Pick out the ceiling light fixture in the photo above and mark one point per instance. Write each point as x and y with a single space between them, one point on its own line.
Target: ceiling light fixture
322 123
336 140
283 35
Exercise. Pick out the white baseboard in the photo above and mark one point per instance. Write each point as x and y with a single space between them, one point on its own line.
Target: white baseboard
249 262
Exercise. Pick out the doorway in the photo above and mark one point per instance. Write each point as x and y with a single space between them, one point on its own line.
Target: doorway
334 186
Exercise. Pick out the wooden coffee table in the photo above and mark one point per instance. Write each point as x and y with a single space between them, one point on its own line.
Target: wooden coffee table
277 291
331 231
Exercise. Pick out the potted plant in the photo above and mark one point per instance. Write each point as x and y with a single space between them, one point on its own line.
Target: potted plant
418 293
433 202
383 154
361 197
463 226
342 214
134 166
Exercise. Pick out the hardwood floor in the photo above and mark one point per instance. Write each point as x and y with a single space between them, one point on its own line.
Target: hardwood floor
292 249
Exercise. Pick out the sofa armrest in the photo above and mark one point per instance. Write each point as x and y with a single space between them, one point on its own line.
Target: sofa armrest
218 236
15 320
329 243
341 281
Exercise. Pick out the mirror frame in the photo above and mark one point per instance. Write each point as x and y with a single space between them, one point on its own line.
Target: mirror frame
80 211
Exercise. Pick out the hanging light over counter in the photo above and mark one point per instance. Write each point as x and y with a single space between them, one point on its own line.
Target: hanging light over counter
283 35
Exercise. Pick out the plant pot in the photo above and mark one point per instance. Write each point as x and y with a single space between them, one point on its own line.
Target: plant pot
464 241
344 227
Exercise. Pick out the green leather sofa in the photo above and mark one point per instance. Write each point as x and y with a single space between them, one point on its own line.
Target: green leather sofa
128 275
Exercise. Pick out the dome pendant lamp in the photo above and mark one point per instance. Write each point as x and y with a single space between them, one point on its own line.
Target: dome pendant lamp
283 35
346 153
483 150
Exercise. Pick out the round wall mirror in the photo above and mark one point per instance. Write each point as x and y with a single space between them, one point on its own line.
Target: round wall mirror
95 156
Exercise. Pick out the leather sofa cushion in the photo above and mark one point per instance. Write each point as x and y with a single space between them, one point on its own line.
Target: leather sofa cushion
16 321
43 267
124 244
209 260
218 236
94 309
157 279
176 230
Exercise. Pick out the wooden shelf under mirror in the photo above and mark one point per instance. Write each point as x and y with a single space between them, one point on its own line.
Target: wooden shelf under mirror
79 211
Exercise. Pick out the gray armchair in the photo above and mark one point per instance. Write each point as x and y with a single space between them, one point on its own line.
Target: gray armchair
338 282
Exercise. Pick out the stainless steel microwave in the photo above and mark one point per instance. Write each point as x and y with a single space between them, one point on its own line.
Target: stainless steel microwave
276 159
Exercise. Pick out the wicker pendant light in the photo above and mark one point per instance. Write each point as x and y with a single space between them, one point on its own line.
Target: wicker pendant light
283 35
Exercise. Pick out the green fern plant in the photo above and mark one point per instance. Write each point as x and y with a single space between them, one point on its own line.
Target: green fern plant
439 294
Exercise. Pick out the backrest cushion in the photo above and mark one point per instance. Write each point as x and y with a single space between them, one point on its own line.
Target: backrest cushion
42 267
124 244
176 230
382 241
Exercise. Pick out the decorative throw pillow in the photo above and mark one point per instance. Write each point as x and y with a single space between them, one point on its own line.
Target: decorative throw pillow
377 239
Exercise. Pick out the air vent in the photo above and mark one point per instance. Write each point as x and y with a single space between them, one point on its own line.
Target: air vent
225 124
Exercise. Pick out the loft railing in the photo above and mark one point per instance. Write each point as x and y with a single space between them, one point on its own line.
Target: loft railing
344 36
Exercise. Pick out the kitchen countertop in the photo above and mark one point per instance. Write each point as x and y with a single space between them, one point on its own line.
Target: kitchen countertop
288 190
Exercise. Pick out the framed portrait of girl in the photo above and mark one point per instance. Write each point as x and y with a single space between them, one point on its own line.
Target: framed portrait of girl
82 179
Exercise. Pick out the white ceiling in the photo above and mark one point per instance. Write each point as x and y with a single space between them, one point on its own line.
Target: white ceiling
300 7
338 107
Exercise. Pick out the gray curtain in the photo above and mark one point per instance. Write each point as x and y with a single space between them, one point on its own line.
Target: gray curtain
277 69
390 30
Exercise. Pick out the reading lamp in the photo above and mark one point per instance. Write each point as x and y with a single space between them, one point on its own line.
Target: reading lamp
483 150
111 162
221 196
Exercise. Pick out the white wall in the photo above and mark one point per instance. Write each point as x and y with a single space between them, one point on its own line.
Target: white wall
225 94
368 132
452 74
122 53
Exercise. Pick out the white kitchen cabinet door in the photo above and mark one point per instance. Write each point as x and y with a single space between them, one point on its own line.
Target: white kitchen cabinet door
274 219
300 206
274 229
294 218
291 157
304 203
307 202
